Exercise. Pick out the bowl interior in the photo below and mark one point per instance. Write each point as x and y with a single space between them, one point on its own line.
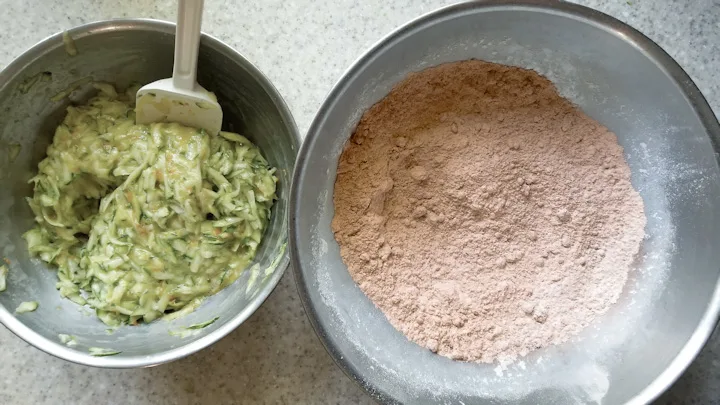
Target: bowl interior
127 52
622 80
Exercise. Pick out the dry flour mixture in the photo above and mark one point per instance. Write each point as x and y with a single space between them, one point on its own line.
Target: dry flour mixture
484 214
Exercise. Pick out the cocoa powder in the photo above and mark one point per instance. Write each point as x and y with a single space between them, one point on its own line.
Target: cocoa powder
485 215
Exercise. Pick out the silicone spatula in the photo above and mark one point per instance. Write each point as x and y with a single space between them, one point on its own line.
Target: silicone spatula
180 98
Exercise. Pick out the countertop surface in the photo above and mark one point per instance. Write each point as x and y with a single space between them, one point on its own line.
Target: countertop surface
303 47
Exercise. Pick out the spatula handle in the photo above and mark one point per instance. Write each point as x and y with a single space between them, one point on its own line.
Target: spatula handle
187 42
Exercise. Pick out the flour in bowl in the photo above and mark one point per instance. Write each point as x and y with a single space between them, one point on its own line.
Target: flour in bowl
485 215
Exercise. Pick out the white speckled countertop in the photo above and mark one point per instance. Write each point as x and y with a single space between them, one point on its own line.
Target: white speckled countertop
303 47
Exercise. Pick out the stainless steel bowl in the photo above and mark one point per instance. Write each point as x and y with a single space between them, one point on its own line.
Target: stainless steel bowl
670 135
123 52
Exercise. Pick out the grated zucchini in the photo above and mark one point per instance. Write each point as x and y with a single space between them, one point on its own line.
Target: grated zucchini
3 277
203 324
27 306
102 352
144 220
68 340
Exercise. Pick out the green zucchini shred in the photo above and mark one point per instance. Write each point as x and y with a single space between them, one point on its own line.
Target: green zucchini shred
101 352
203 324
67 340
3 277
27 306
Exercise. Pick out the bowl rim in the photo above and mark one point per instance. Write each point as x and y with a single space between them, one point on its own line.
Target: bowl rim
585 14
60 350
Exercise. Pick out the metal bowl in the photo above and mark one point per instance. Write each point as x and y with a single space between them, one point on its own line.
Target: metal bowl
670 136
123 52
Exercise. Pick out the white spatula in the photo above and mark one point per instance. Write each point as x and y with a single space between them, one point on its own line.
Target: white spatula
181 99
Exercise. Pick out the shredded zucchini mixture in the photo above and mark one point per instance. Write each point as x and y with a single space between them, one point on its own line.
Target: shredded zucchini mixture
144 220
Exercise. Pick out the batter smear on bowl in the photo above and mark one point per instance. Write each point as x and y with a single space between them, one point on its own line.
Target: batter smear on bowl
484 214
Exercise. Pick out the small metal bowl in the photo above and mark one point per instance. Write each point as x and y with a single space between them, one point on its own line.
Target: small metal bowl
125 52
670 137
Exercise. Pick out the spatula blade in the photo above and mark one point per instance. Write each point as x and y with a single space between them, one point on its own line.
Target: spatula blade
160 101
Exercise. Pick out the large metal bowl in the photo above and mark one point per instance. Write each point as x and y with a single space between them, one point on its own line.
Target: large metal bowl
123 52
617 76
